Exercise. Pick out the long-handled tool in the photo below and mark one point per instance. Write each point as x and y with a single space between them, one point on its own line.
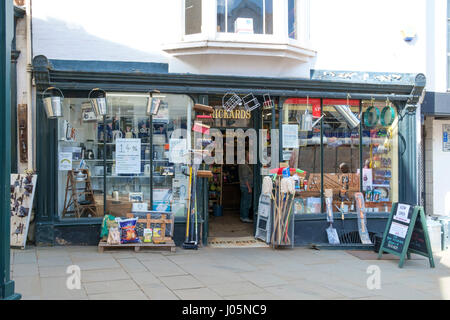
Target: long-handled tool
332 235
187 243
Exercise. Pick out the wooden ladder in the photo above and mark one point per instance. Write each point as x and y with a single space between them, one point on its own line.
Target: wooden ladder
85 207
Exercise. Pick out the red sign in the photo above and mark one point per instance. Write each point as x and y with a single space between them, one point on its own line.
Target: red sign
314 103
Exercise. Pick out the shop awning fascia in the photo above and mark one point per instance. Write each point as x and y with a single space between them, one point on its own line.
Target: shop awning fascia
64 75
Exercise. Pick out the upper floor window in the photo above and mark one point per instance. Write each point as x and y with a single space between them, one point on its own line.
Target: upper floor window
245 16
193 16
292 19
448 44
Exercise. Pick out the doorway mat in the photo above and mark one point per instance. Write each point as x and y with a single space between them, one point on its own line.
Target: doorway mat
236 242
369 256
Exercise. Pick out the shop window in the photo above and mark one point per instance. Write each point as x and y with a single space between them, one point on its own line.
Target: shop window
118 149
292 19
193 16
245 16
341 149
297 112
380 155
362 159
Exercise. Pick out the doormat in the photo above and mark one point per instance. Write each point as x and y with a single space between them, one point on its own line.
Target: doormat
370 255
239 242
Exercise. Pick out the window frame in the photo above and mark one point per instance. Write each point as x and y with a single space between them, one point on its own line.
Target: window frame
263 17
279 28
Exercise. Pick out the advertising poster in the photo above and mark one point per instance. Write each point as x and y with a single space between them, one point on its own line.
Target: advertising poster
65 161
128 156
290 136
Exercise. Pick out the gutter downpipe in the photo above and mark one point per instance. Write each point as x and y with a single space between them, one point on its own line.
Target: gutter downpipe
30 115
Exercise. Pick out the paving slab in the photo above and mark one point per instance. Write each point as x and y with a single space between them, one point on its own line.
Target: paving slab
24 270
197 294
124 295
28 287
145 278
163 268
132 265
181 282
54 261
104 275
236 288
56 271
55 288
110 286
159 292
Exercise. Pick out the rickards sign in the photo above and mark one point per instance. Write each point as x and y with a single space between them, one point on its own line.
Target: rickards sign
220 113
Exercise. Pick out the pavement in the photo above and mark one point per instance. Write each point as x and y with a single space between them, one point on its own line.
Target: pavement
223 274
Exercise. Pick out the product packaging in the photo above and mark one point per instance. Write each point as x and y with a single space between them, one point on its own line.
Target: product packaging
128 232
148 233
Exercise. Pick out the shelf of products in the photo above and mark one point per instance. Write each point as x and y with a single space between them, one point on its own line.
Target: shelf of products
116 176
215 187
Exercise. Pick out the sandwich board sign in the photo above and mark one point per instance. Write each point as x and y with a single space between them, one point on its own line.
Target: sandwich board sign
406 232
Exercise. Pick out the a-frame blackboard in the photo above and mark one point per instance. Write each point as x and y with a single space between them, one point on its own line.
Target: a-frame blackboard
406 232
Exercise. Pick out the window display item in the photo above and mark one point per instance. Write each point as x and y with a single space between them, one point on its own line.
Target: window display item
113 236
251 102
332 235
231 101
200 127
53 104
139 207
128 232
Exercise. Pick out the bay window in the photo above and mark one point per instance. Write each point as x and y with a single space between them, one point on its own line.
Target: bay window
245 16
193 16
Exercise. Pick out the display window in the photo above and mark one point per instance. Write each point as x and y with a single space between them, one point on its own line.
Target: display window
379 155
125 158
344 146
299 115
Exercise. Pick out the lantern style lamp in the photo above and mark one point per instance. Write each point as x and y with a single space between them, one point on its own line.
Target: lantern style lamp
99 104
153 103
53 104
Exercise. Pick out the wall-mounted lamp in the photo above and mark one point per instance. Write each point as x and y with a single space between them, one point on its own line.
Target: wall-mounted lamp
99 104
53 104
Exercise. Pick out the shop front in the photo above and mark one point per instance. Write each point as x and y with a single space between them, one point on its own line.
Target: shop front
128 155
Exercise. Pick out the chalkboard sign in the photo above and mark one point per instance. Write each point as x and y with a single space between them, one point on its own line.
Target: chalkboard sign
418 242
406 232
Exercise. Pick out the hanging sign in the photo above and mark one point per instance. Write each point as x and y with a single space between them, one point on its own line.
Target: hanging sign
128 156
406 232
316 110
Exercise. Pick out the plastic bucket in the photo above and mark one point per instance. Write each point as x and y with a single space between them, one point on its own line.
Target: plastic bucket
217 211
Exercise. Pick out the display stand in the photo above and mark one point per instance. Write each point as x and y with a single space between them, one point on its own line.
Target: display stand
215 196
81 207
164 243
